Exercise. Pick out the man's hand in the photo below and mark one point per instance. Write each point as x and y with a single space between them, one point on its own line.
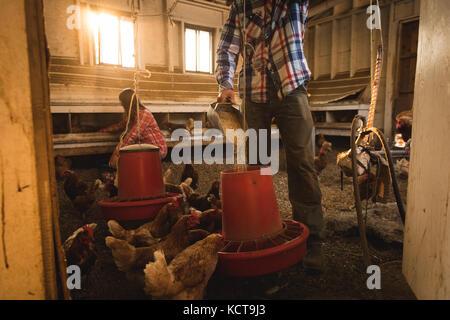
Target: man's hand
227 94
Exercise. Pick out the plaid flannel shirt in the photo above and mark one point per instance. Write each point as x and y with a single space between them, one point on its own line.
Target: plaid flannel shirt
274 47
149 132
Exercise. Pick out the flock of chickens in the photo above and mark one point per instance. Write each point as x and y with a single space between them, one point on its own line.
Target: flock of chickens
170 257
174 255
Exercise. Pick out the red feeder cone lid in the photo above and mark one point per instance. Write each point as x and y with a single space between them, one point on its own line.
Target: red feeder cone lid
139 148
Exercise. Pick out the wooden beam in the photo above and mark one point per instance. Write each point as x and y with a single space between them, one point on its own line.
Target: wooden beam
169 45
80 38
334 49
316 51
337 107
205 4
45 179
324 6
426 255
391 71
353 46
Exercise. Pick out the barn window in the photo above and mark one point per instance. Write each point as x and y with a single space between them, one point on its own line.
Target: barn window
113 39
198 50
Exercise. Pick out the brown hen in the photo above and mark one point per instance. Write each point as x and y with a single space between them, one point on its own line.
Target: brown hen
79 192
320 161
131 259
61 165
190 172
404 124
79 248
149 232
187 276
210 220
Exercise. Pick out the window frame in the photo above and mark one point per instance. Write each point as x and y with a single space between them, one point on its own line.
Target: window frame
211 47
121 15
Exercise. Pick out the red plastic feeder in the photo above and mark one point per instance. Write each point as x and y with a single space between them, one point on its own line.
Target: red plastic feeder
257 241
141 192
140 173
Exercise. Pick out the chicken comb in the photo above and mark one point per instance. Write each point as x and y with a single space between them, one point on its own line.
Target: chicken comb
89 230
194 214
175 203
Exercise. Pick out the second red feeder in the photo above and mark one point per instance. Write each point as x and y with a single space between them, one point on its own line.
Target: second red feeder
257 241
141 192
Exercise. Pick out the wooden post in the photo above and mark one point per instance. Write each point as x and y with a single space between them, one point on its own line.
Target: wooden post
353 46
334 49
169 44
390 72
53 253
426 253
316 51
80 37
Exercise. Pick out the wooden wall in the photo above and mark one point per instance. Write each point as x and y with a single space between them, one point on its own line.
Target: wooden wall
77 81
426 262
400 12
340 44
27 268
160 41
335 45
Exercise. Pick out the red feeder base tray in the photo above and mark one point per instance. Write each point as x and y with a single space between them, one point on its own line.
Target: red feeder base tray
265 255
113 209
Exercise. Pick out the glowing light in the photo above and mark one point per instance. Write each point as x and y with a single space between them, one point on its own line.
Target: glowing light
198 54
109 38
204 51
93 24
113 39
127 43
191 50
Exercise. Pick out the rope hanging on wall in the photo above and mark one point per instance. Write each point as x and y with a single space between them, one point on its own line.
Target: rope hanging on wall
375 75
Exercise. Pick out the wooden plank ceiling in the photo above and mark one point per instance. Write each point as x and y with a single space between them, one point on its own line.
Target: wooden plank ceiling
332 90
66 75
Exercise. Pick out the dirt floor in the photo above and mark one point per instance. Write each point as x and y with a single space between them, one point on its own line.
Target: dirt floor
344 277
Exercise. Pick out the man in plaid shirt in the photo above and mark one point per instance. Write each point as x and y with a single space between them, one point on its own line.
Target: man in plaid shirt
149 132
276 75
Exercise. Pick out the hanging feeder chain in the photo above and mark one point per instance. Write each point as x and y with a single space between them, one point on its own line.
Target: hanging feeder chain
137 72
135 78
